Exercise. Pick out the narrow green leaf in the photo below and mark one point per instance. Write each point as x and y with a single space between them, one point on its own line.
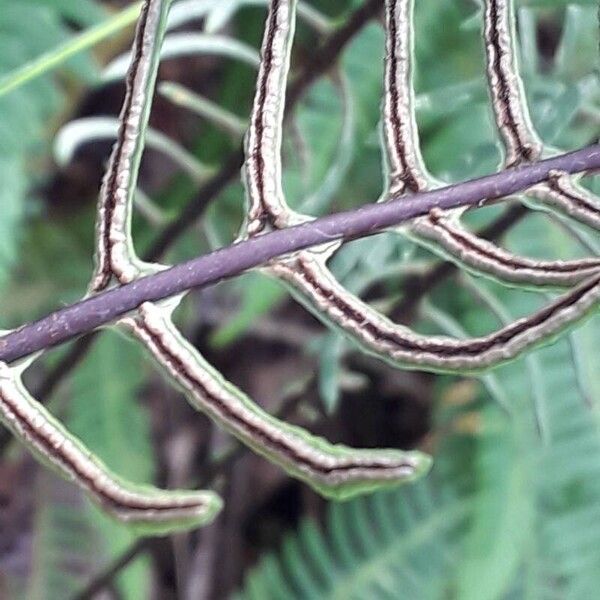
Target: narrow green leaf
57 56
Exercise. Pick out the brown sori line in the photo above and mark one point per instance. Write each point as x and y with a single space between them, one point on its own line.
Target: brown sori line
554 185
407 177
46 444
524 150
227 414
267 62
118 150
516 262
467 348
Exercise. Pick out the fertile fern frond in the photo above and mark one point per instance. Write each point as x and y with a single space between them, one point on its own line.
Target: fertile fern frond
333 470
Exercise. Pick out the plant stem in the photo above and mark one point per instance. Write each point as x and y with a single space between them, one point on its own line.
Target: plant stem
88 314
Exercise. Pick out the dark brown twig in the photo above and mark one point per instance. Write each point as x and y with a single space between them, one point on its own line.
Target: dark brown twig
215 468
103 580
322 60
419 287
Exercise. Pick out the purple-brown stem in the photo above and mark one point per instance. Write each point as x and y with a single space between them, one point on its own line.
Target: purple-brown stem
88 314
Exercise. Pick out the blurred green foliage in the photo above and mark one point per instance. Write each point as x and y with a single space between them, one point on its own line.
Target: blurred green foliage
27 29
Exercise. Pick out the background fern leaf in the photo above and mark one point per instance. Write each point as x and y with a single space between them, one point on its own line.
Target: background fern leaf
28 28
